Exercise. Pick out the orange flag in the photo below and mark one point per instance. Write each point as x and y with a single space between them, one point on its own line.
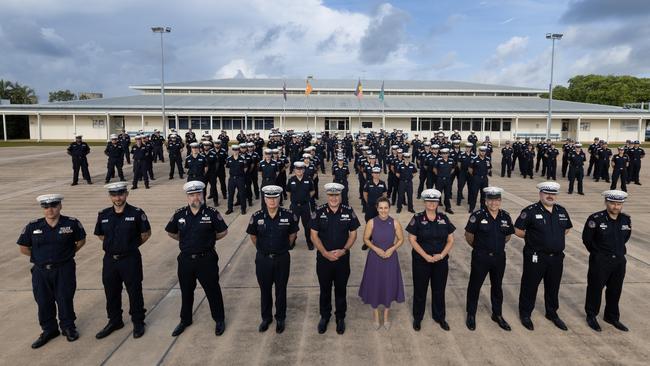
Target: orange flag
308 89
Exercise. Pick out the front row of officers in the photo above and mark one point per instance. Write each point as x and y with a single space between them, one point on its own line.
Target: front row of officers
52 241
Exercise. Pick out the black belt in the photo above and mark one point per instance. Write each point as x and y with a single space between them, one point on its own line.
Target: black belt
199 255
117 257
272 255
51 266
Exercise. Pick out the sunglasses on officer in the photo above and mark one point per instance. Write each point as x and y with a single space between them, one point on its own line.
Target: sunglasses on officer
50 204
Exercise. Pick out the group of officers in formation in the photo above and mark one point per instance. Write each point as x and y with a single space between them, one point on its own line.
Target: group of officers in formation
52 240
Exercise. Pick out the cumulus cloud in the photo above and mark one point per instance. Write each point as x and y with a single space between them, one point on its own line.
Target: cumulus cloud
592 10
384 35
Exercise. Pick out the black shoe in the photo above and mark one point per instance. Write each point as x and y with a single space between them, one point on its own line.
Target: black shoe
617 324
264 325
638 183
364 247
293 245
444 325
470 322
322 325
219 328
279 326
138 330
310 246
243 211
449 211
557 322
340 326
73 184
527 323
581 193
399 210
180 328
89 181
146 186
134 187
503 324
171 177
122 179
417 325
44 338
457 203
593 323
607 180
229 212
209 197
71 334
152 178
569 192
108 329
418 197
107 181
411 210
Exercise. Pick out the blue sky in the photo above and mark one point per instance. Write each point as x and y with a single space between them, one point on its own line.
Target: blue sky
104 46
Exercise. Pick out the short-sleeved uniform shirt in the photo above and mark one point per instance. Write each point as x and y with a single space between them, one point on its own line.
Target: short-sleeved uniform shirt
300 189
121 231
272 232
544 229
604 235
51 245
197 233
431 234
334 227
490 233
374 191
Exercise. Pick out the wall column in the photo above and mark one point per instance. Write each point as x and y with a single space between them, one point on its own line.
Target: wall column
609 126
108 127
578 129
38 120
74 124
516 126
641 133
4 126
142 122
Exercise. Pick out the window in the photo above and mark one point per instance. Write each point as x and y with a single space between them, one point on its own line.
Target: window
476 124
585 126
446 124
456 124
269 123
425 124
435 124
337 124
496 124
629 126
216 122
506 124
414 124
488 124
264 123
171 122
182 122
200 122
366 124
466 124
98 123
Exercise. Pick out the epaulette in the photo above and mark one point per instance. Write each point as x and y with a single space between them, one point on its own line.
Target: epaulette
322 206
105 210
505 212
624 214
180 209
33 221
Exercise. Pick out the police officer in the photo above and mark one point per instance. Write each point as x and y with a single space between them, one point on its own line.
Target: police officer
527 161
593 159
443 169
157 141
635 153
566 150
122 229
125 141
473 139
333 231
272 230
620 164
543 226
431 237
405 172
374 189
197 227
174 148
51 243
222 155
115 153
211 174
196 164
464 160
551 161
479 169
190 137
237 166
301 190
140 154
506 160
269 169
603 154
340 173
604 235
487 232
78 150
576 161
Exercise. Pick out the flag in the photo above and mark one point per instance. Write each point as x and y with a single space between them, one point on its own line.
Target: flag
308 88
359 90
284 91
381 92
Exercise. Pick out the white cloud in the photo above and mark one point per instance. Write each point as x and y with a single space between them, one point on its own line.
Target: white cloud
237 68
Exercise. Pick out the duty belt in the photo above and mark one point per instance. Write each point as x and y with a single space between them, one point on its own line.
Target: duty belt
51 266
117 257
199 255
272 255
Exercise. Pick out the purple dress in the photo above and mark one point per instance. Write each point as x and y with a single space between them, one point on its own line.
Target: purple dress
382 278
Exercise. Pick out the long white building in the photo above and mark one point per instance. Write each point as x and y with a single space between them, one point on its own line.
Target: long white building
423 107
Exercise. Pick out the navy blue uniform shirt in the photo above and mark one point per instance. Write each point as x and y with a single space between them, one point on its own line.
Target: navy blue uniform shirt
197 233
121 231
52 244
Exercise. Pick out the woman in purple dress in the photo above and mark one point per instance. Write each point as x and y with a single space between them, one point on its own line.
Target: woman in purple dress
382 278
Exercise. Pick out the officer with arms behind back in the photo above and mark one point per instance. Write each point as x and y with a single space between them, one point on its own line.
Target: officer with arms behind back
122 229
197 227
543 226
272 230
487 232
604 235
51 243
333 231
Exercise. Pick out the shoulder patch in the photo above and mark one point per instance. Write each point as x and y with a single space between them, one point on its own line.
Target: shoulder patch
591 224
523 215
472 219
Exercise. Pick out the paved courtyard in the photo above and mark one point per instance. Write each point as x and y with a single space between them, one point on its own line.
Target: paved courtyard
28 172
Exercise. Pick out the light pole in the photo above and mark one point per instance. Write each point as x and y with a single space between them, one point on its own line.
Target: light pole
162 30
552 37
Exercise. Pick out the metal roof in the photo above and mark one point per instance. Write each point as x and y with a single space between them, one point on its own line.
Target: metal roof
341 103
339 84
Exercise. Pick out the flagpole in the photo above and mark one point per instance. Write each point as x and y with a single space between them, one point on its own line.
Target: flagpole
283 122
383 115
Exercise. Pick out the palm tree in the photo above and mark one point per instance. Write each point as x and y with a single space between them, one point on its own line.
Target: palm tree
5 89
22 94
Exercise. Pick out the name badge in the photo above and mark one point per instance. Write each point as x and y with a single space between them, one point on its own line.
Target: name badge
129 218
104 221
260 222
181 220
626 227
539 216
65 230
37 231
484 221
284 220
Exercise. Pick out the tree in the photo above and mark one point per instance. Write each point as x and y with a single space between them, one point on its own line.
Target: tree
5 89
601 89
61 96
22 94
